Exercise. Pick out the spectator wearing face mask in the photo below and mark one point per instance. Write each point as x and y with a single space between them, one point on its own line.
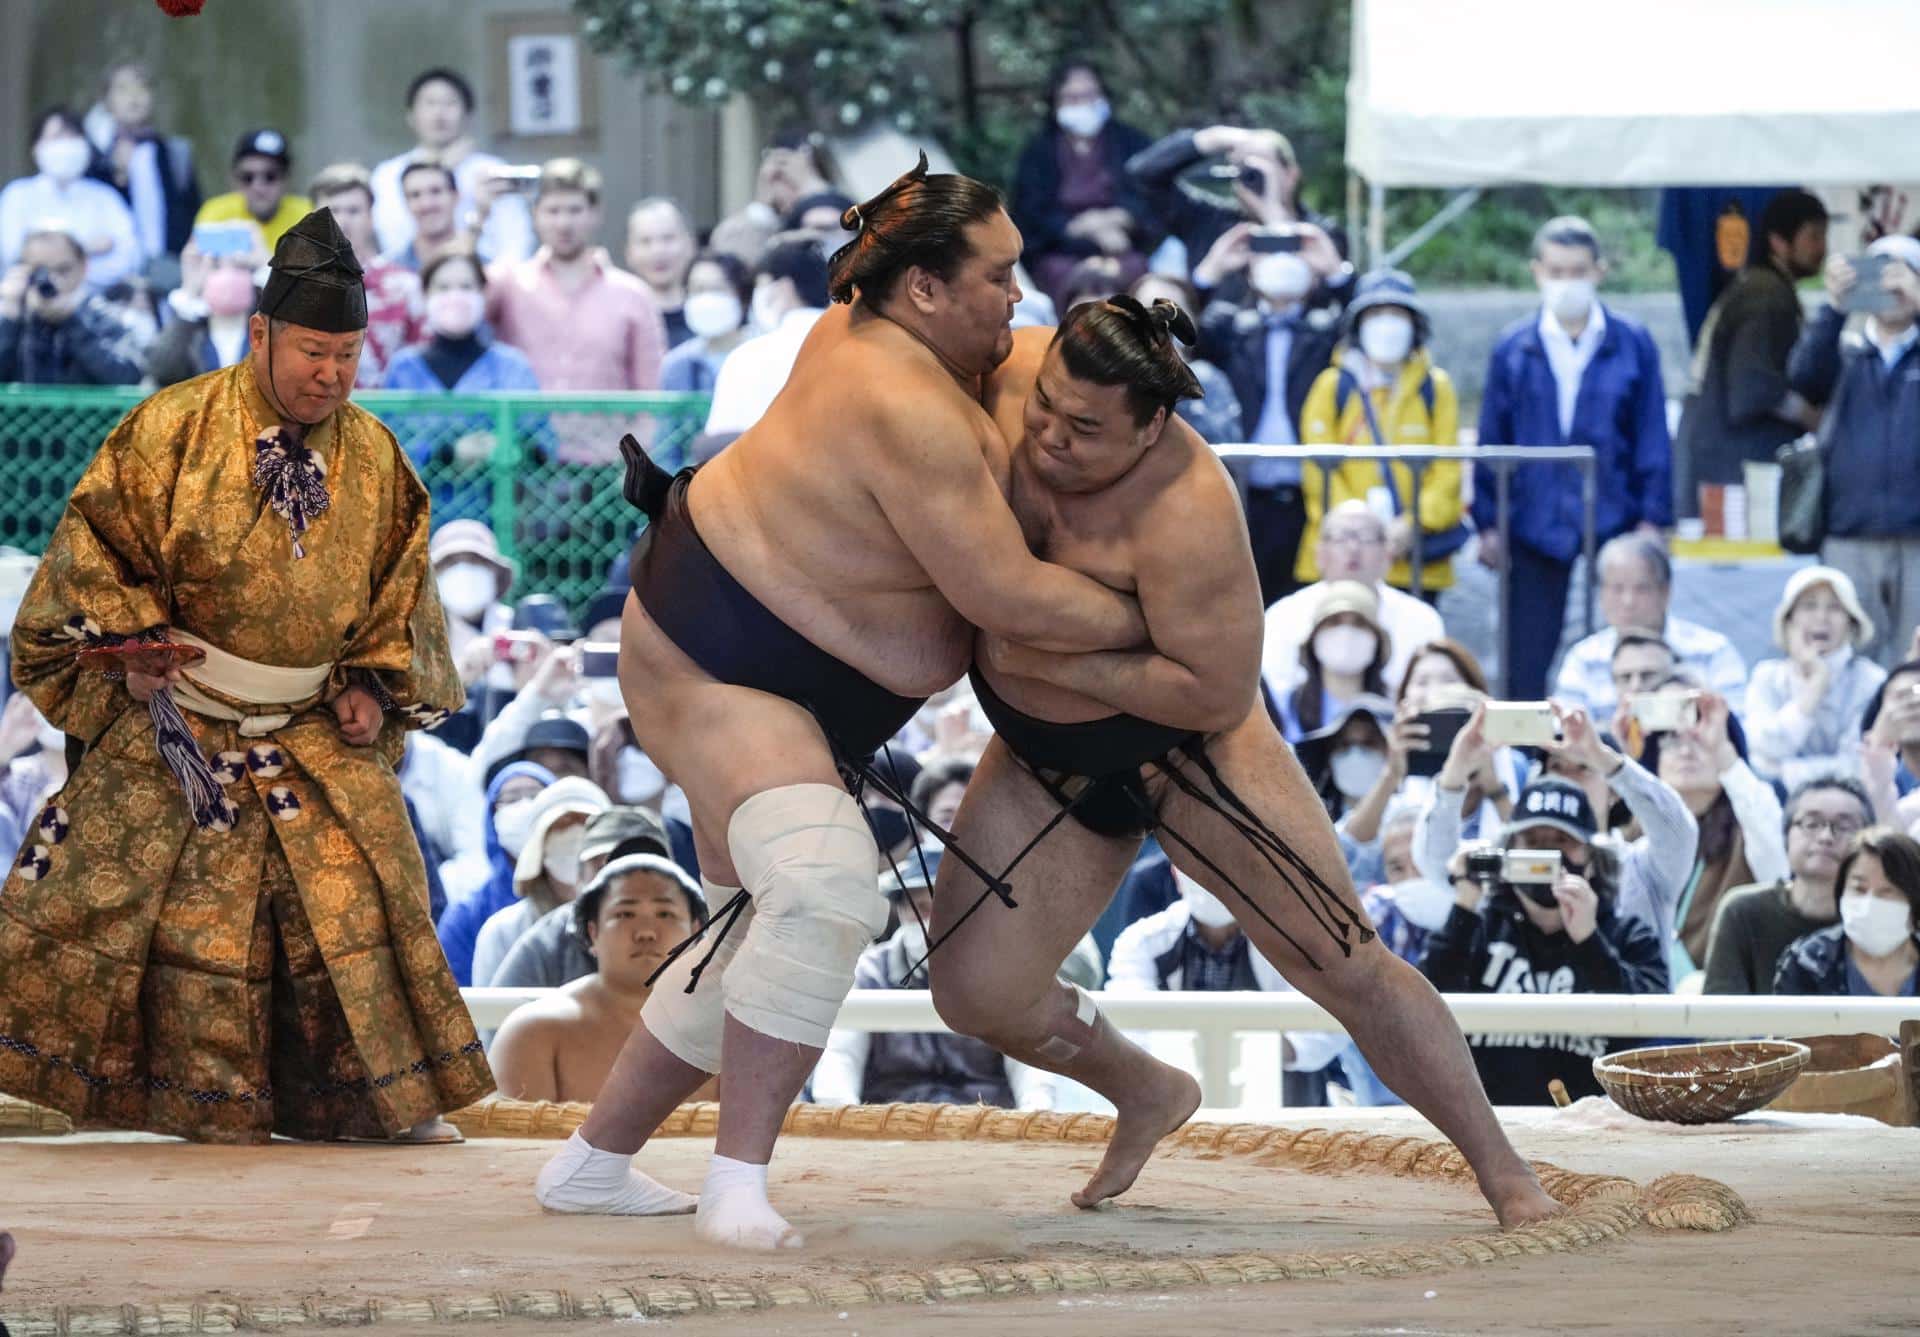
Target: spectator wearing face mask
473 581
393 290
1577 373
1755 925
1216 414
789 294
555 951
660 249
1347 758
618 764
1653 867
1351 545
1444 675
1568 937
1874 951
53 331
1804 712
1742 839
1740 404
1383 389
627 918
460 355
1196 945
61 190
207 315
718 289
510 812
1072 197
1343 658
1870 387
878 1068
547 872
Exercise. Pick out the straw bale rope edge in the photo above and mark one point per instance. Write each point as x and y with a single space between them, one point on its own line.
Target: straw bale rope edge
1601 1207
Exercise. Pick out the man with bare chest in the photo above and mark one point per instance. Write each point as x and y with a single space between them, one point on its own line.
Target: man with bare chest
794 602
1169 738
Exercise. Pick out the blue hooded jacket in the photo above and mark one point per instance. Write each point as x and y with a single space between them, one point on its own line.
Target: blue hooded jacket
459 928
1621 412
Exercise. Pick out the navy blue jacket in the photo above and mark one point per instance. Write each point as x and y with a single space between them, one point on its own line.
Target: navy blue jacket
1871 430
1233 336
1817 965
1621 411
1036 193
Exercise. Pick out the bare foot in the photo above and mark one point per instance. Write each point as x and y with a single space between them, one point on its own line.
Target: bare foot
6 1253
1518 1200
1166 1099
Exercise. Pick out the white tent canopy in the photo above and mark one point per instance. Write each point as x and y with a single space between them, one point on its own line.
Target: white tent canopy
1634 92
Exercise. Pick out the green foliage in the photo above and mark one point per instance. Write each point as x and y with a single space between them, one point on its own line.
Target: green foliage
1489 245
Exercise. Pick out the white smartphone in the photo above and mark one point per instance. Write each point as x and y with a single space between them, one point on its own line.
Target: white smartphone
1521 724
1666 712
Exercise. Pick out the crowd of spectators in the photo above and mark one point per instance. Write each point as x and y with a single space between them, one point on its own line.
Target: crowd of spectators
1676 819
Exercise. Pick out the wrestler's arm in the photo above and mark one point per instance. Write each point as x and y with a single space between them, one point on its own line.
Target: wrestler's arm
1201 598
523 1057
940 497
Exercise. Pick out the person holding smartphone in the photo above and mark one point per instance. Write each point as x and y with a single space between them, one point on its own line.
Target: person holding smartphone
1870 387
1563 936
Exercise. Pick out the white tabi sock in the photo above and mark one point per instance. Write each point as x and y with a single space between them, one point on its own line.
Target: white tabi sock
734 1209
584 1179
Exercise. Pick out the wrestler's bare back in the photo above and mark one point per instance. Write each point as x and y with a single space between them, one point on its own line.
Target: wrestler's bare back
1178 492
790 509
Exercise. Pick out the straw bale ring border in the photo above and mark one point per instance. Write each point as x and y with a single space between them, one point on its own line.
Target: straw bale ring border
1600 1208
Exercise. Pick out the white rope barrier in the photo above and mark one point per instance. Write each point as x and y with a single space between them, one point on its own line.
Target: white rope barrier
1680 1016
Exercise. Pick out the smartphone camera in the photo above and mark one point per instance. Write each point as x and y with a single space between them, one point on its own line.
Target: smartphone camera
1274 241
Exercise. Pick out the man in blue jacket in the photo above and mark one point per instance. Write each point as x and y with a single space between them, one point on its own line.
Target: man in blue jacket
1579 373
1870 386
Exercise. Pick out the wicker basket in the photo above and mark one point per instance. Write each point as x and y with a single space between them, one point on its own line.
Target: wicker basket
1704 1083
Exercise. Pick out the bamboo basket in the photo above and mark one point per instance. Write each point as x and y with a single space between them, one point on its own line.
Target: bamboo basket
1702 1083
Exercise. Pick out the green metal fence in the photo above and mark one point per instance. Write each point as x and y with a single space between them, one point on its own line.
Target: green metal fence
542 470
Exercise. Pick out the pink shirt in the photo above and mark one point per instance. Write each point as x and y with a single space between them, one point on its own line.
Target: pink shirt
393 319
606 336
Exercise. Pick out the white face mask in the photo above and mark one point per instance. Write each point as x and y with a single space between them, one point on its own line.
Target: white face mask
638 779
454 313
767 308
1425 904
1345 649
513 822
1837 659
560 856
1874 924
1386 337
467 589
712 314
1281 277
1355 769
1568 299
1085 119
63 159
1201 903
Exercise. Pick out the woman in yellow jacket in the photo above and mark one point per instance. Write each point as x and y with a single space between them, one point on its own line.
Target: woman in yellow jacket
1384 389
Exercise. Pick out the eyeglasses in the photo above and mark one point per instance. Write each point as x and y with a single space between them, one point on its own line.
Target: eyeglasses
267 178
1841 828
1352 539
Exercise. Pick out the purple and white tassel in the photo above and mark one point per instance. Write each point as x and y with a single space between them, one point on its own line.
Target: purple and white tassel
293 478
211 808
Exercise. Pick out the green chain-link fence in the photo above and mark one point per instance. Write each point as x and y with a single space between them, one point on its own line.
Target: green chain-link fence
542 470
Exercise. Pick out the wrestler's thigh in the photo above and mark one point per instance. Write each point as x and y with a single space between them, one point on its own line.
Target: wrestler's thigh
1062 885
1255 762
720 743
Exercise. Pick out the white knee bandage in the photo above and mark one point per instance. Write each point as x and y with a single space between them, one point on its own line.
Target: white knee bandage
805 854
690 1025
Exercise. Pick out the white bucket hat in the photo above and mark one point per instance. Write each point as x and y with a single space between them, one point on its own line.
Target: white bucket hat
1842 586
568 795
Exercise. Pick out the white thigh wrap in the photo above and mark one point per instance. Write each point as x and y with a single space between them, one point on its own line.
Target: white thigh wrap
805 854
690 1025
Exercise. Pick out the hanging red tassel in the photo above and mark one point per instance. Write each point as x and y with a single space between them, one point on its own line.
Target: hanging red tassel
181 9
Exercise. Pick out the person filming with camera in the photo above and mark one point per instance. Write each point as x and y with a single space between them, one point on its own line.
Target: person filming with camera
1536 914
53 329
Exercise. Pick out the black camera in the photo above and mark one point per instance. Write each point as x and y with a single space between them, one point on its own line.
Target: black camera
41 281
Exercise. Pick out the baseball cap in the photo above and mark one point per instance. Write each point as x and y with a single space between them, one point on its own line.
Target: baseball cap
1560 804
607 831
263 143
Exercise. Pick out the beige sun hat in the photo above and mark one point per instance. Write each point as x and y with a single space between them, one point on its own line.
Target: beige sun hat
567 795
1842 586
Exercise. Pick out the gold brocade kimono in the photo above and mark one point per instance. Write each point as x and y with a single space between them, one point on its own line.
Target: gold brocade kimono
282 976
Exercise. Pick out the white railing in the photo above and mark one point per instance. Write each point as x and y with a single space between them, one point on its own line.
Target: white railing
1215 1018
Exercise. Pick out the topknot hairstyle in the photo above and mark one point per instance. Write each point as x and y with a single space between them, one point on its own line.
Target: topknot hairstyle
1121 342
920 220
